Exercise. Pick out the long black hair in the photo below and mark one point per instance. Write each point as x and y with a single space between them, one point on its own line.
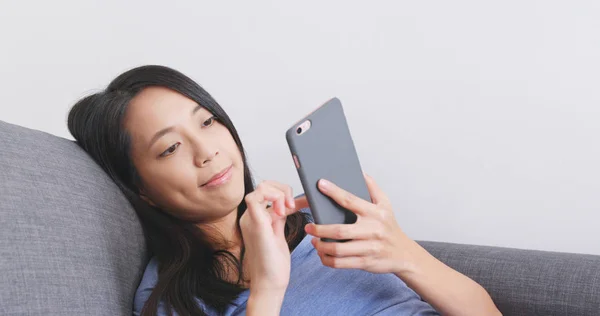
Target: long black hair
189 266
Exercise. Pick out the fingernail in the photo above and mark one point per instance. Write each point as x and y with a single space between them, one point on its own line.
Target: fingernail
307 228
325 184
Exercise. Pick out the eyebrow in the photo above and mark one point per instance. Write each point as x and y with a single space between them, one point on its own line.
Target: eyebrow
169 129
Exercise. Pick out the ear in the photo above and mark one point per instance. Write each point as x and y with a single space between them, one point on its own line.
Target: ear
145 197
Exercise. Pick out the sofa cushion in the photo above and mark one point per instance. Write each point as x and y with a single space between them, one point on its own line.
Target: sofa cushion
70 242
528 282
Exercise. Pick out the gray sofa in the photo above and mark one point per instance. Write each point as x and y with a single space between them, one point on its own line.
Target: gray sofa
72 245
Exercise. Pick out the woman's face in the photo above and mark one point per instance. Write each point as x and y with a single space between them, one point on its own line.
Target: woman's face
189 164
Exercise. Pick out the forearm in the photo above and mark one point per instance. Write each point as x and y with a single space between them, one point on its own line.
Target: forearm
264 303
447 290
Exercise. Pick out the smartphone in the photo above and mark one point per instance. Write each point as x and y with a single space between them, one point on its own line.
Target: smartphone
322 147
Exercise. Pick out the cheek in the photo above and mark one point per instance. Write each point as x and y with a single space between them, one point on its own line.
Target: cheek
174 172
230 146
166 180
236 157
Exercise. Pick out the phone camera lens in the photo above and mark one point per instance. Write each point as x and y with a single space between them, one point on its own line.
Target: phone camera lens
299 130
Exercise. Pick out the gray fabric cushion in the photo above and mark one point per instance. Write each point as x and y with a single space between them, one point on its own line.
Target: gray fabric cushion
70 242
528 282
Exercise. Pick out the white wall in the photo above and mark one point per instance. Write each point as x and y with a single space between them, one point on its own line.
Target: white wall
480 120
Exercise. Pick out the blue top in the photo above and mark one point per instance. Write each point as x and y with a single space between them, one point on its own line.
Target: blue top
315 289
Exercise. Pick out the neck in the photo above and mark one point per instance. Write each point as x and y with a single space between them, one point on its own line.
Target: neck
225 235
224 232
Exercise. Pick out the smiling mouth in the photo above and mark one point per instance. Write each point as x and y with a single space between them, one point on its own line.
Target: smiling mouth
220 178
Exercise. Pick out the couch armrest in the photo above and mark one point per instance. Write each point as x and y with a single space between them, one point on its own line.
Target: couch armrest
528 282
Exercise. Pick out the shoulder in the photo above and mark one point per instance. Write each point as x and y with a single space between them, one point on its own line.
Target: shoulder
146 286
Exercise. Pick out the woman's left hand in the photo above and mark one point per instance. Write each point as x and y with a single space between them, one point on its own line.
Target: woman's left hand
377 244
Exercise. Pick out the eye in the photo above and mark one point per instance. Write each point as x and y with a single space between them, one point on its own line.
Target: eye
209 121
170 150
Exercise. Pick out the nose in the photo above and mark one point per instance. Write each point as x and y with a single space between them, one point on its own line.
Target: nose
205 153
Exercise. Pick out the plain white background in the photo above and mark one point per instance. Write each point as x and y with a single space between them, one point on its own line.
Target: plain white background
479 119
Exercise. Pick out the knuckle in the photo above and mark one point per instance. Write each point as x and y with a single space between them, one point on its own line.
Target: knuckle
375 249
369 249
378 234
363 262
381 214
261 186
339 232
278 196
348 199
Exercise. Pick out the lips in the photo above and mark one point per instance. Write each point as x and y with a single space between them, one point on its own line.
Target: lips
219 178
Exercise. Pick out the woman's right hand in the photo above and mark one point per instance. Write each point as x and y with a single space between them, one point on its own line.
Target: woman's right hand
262 228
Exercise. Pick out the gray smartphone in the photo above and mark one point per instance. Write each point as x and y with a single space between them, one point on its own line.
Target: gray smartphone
322 147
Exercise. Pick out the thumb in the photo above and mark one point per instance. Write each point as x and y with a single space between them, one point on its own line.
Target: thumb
299 203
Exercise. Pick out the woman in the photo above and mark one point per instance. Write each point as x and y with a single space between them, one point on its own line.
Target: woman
219 247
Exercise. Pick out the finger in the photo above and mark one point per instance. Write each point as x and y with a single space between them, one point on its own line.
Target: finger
286 189
277 197
258 208
346 249
255 207
265 193
342 231
346 199
344 262
377 195
297 204
300 203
